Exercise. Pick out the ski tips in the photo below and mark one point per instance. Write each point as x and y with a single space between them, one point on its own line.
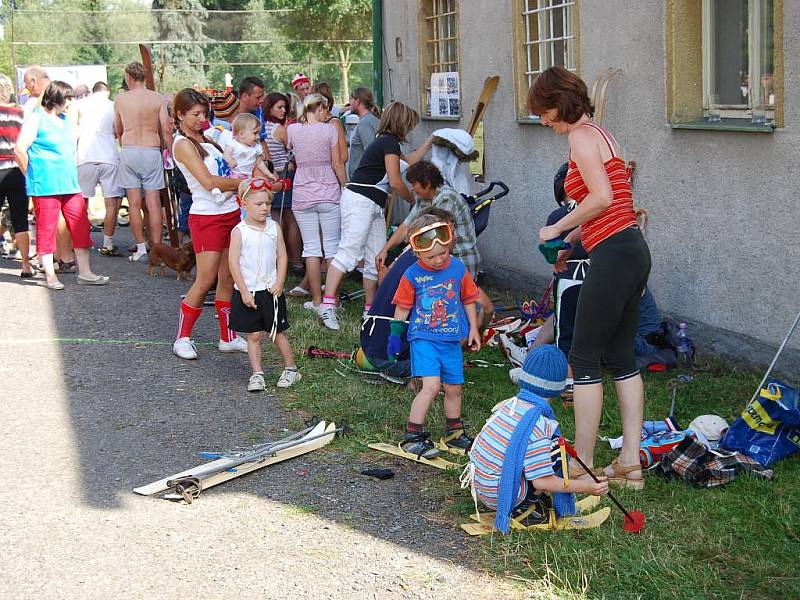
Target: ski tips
633 521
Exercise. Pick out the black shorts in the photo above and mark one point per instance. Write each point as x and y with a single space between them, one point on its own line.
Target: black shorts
12 189
248 320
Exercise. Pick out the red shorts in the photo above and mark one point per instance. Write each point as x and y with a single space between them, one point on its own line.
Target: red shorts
212 233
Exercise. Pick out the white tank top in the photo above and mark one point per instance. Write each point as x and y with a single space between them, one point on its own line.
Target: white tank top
259 256
207 202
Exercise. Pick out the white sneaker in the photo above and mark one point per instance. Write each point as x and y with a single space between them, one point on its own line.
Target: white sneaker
329 318
256 383
515 355
138 257
184 348
288 377
237 344
309 305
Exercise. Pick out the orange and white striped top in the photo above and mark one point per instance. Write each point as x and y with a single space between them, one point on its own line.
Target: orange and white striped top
617 217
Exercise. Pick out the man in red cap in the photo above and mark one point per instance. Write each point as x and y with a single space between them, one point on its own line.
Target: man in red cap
301 85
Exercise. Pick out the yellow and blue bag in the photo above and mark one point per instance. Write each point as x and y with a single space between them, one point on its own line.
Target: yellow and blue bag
769 428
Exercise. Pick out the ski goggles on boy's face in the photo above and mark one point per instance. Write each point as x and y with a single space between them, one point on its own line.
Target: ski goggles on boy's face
426 238
257 185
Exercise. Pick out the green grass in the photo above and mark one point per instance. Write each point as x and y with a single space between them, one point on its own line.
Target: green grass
738 541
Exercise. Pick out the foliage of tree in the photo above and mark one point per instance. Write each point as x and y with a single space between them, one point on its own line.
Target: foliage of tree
331 20
179 64
107 32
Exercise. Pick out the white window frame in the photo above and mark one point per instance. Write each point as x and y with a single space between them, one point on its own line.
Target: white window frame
431 38
743 111
537 17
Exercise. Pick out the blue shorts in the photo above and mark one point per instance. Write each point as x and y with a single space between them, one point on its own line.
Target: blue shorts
438 359
185 201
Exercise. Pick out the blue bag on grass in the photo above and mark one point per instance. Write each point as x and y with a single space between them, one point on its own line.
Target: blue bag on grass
769 428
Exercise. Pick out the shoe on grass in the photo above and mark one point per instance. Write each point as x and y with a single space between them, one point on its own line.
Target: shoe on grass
184 348
237 344
309 305
515 355
329 318
289 377
419 444
256 383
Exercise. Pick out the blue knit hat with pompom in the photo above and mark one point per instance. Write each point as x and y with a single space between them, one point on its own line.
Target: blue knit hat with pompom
544 372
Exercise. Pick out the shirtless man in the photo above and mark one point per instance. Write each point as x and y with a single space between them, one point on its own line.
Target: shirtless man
139 114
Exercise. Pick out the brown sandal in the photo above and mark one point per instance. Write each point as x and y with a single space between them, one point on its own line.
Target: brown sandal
576 471
619 475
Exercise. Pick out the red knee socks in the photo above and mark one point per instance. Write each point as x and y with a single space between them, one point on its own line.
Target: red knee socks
224 313
187 319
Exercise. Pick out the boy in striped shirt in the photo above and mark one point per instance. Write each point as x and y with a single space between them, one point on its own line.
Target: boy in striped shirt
513 455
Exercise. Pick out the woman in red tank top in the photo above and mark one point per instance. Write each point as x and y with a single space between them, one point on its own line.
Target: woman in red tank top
608 306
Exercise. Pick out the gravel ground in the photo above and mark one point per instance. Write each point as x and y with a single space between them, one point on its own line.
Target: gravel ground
95 405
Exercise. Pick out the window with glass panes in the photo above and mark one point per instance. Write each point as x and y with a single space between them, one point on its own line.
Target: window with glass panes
545 35
739 58
439 47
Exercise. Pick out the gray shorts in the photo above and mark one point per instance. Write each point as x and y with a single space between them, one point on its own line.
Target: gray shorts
140 168
90 174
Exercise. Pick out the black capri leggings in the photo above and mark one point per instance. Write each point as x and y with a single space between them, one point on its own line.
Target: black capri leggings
608 308
12 188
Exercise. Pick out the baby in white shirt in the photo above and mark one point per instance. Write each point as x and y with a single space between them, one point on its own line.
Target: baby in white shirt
243 151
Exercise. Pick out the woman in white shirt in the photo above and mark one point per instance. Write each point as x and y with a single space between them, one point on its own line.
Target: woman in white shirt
212 217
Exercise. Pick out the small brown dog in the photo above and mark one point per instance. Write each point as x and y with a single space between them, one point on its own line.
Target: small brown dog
181 259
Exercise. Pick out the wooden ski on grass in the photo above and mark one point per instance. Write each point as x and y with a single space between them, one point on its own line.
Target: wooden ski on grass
228 467
589 521
168 199
489 88
395 450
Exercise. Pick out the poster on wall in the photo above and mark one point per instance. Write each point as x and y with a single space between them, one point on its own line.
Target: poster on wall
445 94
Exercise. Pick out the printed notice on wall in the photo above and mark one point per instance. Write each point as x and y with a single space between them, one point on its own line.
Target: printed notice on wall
445 95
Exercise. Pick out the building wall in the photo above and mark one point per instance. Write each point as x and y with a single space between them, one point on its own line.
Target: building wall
724 206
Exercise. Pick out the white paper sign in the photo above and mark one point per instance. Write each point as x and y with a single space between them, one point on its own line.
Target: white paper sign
445 94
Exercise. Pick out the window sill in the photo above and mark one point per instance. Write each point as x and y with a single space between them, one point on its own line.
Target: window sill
726 125
430 118
527 121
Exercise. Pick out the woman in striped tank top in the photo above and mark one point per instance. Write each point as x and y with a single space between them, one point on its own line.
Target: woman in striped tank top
608 305
275 115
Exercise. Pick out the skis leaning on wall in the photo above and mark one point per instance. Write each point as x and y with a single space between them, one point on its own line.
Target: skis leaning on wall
489 88
187 485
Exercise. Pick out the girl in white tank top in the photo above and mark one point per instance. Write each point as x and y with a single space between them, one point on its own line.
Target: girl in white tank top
258 264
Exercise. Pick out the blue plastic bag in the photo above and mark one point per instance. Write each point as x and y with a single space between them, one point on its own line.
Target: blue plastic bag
769 428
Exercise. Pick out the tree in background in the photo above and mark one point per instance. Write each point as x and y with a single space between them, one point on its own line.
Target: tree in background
95 29
181 64
331 20
63 29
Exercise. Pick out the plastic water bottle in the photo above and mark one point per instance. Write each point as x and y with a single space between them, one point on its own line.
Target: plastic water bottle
684 348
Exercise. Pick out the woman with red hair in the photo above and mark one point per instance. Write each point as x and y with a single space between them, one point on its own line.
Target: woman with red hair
608 306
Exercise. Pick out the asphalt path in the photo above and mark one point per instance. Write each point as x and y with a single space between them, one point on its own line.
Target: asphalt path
94 404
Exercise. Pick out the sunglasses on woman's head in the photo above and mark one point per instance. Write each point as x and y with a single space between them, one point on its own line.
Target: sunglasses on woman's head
257 184
426 238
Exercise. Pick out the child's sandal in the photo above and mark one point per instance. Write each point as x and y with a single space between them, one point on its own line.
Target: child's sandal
618 475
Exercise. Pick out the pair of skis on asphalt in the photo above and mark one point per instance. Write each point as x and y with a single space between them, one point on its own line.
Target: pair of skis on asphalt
188 484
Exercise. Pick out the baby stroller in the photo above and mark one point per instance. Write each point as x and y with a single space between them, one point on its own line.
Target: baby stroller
481 203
